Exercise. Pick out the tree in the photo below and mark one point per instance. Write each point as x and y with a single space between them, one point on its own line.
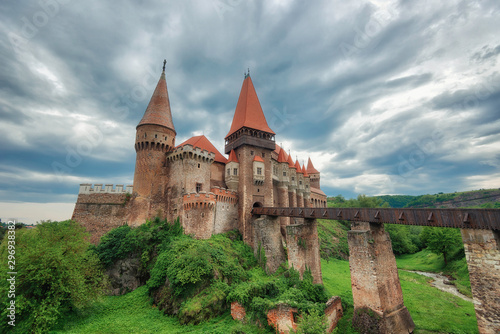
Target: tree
55 273
441 240
311 323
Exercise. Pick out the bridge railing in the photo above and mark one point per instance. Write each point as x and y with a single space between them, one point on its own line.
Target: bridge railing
488 219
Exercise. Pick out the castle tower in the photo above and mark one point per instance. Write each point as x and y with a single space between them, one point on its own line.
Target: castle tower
313 174
232 171
155 136
307 187
252 141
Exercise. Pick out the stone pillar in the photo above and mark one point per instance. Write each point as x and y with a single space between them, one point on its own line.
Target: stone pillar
376 291
283 201
482 250
300 199
303 248
267 242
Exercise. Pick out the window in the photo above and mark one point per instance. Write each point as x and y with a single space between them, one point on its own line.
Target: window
228 171
198 165
251 152
293 178
145 135
235 171
263 155
284 173
259 171
198 187
165 137
156 136
300 182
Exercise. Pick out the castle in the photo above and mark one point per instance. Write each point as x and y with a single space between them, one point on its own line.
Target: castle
194 182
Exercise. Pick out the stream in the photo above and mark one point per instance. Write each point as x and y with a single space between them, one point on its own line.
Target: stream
439 283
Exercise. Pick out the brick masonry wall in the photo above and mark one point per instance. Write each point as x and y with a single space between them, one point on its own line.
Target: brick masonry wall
482 250
226 217
303 248
375 282
100 213
238 311
333 313
267 234
282 318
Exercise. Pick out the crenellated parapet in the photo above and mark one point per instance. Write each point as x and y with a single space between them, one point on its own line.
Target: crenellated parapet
189 152
201 200
225 195
88 189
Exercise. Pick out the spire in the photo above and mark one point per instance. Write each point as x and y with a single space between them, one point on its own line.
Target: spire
297 166
248 111
281 156
310 168
290 161
304 171
232 157
158 110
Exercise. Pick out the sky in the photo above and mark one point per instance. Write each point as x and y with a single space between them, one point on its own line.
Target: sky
386 97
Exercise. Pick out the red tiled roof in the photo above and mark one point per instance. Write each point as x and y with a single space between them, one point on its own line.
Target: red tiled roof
297 167
205 144
310 168
304 171
282 156
258 158
290 162
232 157
317 191
158 110
248 111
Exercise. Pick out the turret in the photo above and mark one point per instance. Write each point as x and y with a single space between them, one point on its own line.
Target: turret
313 174
155 136
232 171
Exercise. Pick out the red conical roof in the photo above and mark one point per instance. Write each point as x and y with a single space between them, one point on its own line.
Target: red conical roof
158 110
248 111
232 157
290 162
310 168
282 156
304 171
205 144
258 158
297 166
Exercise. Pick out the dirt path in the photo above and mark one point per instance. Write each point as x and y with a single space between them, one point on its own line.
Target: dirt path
439 283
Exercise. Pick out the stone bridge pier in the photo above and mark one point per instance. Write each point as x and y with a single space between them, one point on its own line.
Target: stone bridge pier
302 245
482 250
376 291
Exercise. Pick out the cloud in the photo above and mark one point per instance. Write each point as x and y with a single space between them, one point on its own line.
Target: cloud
385 96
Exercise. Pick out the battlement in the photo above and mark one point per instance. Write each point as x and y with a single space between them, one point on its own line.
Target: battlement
87 188
189 152
225 195
199 200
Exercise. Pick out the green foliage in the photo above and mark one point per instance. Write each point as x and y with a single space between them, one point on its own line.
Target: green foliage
55 274
312 322
261 256
362 201
405 239
333 239
397 201
144 241
441 240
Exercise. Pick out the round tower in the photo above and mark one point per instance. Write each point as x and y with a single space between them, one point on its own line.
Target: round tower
155 137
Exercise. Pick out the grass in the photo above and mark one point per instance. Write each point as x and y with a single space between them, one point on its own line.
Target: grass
133 313
428 261
432 310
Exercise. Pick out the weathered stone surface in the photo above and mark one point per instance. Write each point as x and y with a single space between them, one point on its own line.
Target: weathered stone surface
482 250
282 318
377 294
238 311
303 248
333 312
267 237
124 276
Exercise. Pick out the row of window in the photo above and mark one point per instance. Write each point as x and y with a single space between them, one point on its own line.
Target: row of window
235 171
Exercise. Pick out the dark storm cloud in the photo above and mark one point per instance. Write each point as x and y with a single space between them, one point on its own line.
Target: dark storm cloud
385 96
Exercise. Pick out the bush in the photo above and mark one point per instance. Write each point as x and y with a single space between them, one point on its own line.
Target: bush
55 273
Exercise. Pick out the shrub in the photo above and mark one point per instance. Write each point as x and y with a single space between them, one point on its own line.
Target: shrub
55 273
